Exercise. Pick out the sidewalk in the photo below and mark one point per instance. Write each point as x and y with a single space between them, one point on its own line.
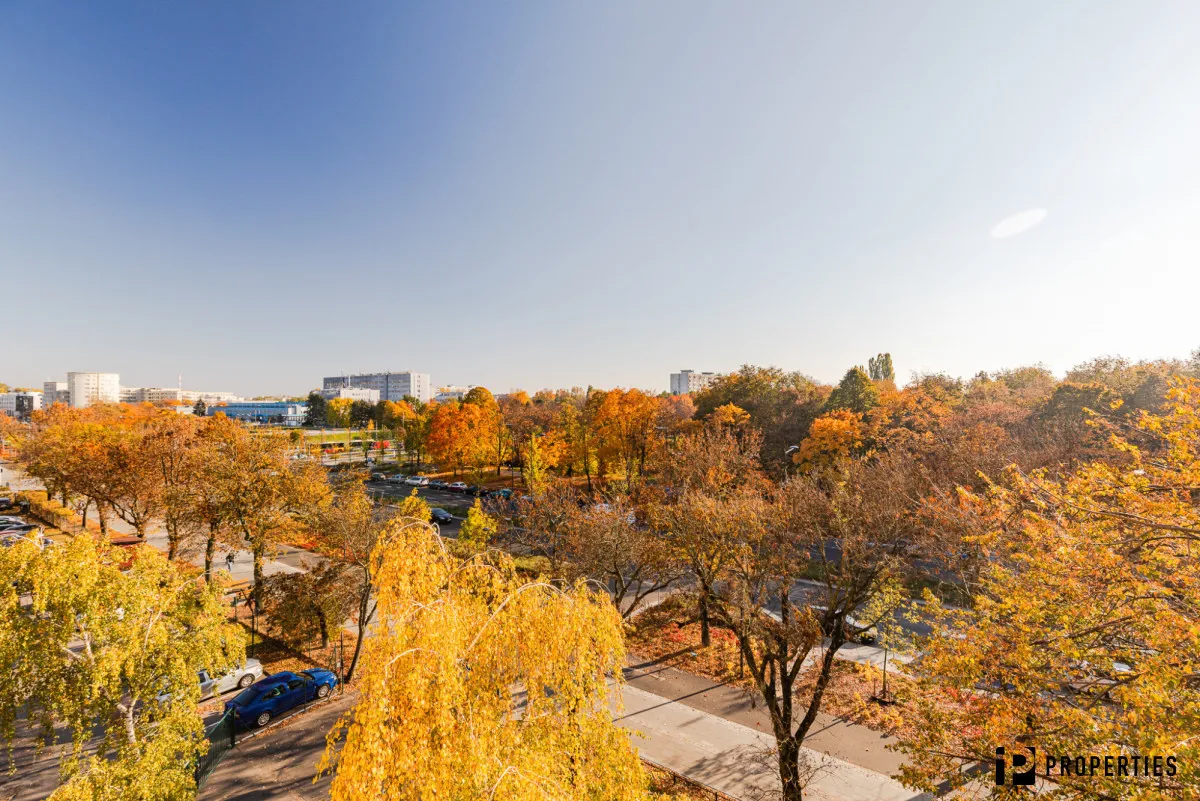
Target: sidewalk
736 759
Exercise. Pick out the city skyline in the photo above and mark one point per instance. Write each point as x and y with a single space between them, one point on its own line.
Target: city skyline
551 197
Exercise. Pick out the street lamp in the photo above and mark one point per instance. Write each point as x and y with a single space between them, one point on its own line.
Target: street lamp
786 454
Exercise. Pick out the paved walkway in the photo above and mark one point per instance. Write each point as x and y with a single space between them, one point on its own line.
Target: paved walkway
737 759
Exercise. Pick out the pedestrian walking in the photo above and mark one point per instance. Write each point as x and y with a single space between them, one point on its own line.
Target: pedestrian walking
229 560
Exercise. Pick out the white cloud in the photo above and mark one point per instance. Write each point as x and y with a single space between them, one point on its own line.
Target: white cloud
1018 223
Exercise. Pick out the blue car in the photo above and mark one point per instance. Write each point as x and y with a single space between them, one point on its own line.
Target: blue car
269 698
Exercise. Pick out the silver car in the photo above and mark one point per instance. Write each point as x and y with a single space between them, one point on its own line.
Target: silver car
238 678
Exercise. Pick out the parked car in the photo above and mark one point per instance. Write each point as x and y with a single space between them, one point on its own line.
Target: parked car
440 516
504 494
11 537
378 477
437 484
238 678
397 479
417 481
268 698
6 504
11 520
24 529
458 486
476 490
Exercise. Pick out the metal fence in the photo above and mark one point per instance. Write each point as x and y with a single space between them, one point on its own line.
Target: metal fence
220 742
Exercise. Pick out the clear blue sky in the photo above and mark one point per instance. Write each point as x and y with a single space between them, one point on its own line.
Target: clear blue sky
551 194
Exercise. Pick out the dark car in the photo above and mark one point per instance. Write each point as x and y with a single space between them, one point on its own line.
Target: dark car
438 484
269 698
476 490
440 516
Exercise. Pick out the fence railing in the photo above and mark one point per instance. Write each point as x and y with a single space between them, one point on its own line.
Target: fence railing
220 741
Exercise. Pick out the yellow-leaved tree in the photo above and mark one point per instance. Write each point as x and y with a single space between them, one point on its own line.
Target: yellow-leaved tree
1082 636
477 685
89 640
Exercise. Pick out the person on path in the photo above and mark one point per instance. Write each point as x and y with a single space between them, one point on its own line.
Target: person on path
229 559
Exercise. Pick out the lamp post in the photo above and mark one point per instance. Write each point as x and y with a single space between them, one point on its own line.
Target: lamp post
787 458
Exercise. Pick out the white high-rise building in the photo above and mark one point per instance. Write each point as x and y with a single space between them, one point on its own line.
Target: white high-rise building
88 388
687 381
391 386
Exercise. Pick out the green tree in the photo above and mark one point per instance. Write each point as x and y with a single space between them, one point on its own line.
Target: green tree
854 392
315 415
880 367
200 408
90 638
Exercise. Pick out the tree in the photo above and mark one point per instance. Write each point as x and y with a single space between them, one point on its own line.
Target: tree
1083 631
362 413
853 526
199 408
854 392
627 422
90 640
315 413
437 715
259 491
350 528
337 412
880 367
609 544
310 603
478 530
833 437
781 406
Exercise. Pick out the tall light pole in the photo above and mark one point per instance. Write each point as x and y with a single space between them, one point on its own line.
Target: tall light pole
787 458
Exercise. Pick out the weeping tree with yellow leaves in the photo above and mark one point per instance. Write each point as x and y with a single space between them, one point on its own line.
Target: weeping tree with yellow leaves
89 640
1082 635
478 685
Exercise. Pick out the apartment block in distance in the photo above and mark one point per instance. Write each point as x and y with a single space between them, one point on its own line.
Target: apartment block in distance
84 389
687 381
20 404
174 394
391 386
55 392
351 393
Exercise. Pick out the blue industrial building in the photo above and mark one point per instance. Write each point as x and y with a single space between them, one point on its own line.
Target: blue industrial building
285 413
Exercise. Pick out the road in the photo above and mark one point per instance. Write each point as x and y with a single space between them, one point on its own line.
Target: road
728 752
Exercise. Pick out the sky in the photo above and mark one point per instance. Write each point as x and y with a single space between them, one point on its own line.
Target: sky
529 195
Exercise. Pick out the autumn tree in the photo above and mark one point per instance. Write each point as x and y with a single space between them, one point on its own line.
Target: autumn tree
478 530
627 422
781 406
437 715
1082 634
350 528
90 641
258 491
610 544
310 603
834 436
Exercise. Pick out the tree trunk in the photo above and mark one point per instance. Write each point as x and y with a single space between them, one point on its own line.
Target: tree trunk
789 770
324 624
172 542
705 636
210 549
363 610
